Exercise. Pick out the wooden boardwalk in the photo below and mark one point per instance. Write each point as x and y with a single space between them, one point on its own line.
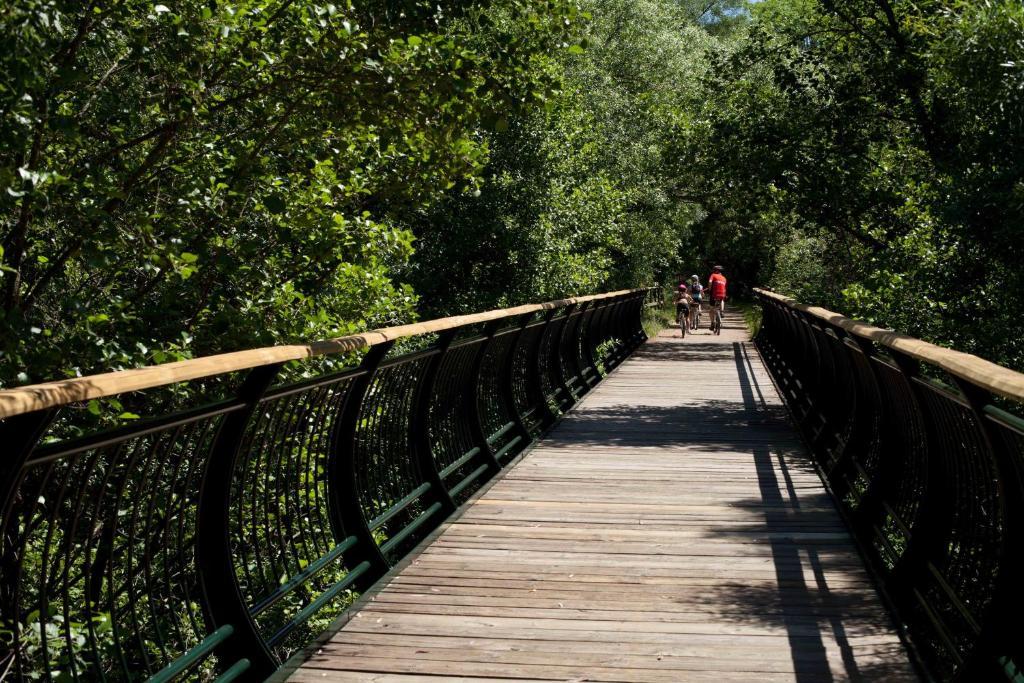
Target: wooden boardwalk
669 529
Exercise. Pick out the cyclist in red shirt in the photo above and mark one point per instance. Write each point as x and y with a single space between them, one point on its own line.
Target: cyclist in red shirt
716 297
716 288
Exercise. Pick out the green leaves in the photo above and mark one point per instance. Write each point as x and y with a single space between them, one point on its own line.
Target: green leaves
868 152
237 172
575 197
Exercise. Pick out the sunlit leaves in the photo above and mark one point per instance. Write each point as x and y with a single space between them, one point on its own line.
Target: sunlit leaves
234 172
880 141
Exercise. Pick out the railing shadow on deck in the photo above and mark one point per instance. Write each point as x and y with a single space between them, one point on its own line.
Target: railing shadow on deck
810 659
785 515
923 449
694 351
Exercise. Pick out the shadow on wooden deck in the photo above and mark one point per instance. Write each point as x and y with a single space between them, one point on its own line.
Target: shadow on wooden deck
671 528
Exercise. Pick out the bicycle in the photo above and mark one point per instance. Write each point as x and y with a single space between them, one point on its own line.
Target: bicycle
716 318
682 318
696 317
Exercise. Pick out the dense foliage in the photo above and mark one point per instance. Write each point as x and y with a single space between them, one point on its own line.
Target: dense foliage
185 177
868 153
583 194
193 176
190 177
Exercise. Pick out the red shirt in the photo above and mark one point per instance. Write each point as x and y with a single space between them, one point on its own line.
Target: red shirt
716 285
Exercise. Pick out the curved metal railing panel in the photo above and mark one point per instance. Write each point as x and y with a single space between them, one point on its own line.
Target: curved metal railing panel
217 540
923 448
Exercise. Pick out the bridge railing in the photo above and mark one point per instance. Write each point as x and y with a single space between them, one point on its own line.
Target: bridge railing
923 448
213 540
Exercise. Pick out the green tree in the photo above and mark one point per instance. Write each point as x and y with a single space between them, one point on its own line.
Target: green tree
880 129
191 177
587 193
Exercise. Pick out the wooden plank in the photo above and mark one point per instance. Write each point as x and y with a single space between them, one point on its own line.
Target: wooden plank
745 651
651 626
794 603
670 528
662 660
635 582
596 631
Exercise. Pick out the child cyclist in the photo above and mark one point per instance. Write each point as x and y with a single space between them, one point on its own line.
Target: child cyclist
682 301
697 295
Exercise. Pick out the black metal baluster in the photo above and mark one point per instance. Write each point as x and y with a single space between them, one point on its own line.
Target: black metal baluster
419 428
223 601
1000 633
507 381
556 362
534 368
20 435
573 357
589 375
871 511
639 336
472 394
612 333
931 535
595 336
347 515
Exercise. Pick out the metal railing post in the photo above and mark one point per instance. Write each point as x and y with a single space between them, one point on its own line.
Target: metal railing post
871 510
639 304
507 381
534 369
576 356
588 367
843 465
556 361
223 603
21 434
346 510
471 395
419 426
595 336
611 333
1000 634
931 534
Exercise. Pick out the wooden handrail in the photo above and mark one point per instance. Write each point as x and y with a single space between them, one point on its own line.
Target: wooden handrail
34 397
995 378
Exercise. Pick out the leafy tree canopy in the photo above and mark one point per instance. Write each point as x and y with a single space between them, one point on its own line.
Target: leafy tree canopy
190 176
181 178
864 150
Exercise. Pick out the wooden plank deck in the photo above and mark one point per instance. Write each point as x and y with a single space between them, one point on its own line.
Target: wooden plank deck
669 529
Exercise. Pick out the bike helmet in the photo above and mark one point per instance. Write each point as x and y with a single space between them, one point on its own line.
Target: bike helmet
718 269
694 278
682 287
